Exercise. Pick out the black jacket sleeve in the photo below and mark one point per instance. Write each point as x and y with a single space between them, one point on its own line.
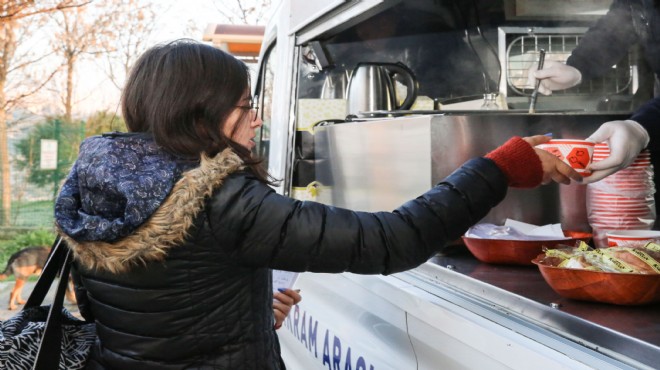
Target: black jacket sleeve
274 231
648 115
605 43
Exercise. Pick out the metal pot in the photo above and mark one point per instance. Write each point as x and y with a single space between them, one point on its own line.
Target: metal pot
371 87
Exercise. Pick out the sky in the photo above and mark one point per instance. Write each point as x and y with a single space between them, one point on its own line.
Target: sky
95 91
178 15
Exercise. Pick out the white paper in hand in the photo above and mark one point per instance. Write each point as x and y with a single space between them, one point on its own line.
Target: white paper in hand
283 279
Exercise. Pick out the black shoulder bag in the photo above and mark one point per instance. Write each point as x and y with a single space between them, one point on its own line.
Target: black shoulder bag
47 337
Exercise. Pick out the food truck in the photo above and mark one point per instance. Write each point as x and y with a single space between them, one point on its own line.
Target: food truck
367 104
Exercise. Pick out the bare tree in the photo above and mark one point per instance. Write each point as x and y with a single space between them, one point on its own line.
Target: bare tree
81 32
13 10
13 15
128 37
242 11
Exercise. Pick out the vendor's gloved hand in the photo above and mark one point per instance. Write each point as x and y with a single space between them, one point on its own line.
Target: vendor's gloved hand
625 138
554 76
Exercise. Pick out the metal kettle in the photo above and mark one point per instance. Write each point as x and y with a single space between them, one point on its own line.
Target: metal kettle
371 87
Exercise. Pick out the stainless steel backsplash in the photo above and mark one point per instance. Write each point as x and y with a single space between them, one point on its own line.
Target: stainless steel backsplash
378 165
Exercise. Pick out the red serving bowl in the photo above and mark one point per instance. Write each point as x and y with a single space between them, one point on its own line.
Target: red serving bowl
517 252
597 286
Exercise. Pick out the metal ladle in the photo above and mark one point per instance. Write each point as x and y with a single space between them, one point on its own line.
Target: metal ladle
535 94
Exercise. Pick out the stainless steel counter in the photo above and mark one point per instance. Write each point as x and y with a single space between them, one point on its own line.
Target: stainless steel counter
626 333
378 165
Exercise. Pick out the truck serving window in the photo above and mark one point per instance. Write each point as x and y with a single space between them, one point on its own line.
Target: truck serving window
460 50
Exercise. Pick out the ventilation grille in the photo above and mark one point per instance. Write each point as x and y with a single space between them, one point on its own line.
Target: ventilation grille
523 52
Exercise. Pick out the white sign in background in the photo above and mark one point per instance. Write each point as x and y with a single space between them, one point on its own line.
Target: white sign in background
48 154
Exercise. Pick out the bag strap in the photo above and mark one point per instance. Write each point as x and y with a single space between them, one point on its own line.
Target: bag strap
54 264
48 356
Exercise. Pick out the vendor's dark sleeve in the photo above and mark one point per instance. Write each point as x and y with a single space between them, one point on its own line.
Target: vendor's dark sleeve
605 43
648 115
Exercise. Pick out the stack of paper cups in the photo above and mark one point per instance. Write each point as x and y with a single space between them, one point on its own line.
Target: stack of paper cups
623 200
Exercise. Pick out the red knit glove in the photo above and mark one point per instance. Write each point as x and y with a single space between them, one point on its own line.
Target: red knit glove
519 162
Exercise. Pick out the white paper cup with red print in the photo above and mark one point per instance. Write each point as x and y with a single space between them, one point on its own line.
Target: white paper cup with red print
575 152
632 237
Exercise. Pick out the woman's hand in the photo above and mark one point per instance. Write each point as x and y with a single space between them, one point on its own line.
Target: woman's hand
283 300
554 169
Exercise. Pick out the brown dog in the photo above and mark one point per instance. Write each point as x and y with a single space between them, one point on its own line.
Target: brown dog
24 263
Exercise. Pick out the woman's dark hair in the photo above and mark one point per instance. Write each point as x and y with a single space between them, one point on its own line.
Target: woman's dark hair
183 92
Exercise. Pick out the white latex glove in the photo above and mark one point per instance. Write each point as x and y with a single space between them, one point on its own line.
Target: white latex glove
626 140
554 76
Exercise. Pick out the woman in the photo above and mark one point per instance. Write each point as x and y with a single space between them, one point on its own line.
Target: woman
175 230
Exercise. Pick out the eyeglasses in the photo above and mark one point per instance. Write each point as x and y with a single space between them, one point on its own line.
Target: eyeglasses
254 105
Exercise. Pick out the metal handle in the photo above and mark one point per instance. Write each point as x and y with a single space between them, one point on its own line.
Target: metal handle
535 94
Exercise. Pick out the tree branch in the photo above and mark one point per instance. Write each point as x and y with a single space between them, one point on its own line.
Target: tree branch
11 102
25 64
14 14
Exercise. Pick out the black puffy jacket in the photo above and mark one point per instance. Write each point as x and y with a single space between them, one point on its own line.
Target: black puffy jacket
190 288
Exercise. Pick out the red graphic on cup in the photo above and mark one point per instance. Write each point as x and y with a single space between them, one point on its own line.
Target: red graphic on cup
575 153
555 151
578 158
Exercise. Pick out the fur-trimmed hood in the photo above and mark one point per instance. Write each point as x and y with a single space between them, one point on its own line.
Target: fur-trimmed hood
126 201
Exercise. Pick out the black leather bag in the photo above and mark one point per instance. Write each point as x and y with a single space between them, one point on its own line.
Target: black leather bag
47 337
